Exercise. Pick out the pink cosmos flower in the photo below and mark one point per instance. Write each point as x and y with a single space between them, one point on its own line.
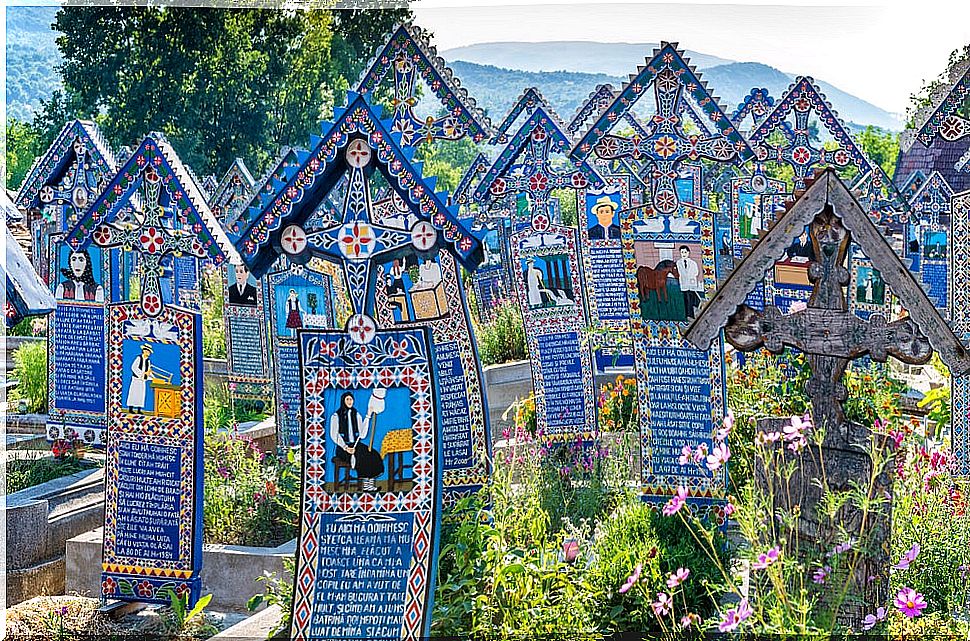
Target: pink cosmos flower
662 605
632 579
871 620
718 457
735 617
676 502
726 426
910 602
845 546
700 453
822 574
678 577
686 455
688 620
766 558
729 509
908 558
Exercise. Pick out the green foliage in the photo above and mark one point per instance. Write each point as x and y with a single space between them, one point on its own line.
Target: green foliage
502 339
923 97
219 83
447 161
881 147
619 409
213 323
250 499
35 469
30 372
873 394
567 205
181 621
930 511
279 592
25 142
767 386
242 489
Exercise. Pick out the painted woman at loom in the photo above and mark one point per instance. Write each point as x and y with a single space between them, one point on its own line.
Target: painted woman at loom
349 430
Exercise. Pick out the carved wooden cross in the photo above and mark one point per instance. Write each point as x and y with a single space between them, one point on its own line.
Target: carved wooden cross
826 331
151 238
666 145
537 179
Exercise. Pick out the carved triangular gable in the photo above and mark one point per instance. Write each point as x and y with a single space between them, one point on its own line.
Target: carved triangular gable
322 167
232 192
940 116
542 120
930 203
756 105
26 293
528 101
598 100
185 208
827 190
265 189
56 179
407 56
802 99
667 57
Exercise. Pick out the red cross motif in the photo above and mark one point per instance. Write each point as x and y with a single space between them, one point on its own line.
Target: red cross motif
423 235
540 222
801 155
358 153
152 304
841 157
361 328
293 239
357 240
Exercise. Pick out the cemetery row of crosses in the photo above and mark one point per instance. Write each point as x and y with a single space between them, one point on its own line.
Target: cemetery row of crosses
709 433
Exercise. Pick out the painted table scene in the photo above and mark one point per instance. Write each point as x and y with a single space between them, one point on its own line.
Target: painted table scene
425 321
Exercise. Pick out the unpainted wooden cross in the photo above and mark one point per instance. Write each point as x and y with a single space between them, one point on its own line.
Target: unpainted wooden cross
829 334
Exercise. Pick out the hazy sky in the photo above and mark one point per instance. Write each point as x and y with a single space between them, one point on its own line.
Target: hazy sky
879 51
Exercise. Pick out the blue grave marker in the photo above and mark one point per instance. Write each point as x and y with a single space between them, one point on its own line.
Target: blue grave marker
153 464
670 274
387 489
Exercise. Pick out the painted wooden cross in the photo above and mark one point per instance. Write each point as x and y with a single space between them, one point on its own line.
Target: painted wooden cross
536 178
413 60
356 241
666 145
151 238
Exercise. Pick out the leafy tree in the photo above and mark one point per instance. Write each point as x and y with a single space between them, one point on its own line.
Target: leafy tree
219 83
881 147
24 143
923 97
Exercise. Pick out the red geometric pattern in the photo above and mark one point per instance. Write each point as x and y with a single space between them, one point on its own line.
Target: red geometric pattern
324 374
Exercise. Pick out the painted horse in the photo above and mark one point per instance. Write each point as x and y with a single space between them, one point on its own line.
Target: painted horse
654 279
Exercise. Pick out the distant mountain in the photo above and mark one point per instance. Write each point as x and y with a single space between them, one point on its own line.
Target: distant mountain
597 62
610 58
496 90
732 82
32 57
